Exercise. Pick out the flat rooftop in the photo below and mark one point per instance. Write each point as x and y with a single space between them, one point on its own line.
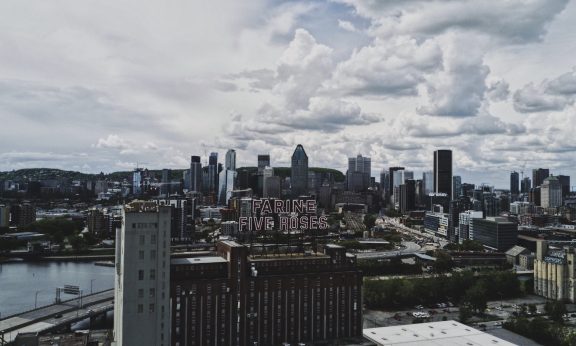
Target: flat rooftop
198 260
444 333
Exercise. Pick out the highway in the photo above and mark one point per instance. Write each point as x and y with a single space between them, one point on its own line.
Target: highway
401 228
410 248
45 318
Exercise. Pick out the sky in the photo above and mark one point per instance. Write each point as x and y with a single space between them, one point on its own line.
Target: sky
105 85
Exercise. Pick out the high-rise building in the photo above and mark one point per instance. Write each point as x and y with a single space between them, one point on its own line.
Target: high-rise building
299 172
456 186
227 178
494 232
408 196
137 181
359 173
443 172
392 184
195 174
514 183
428 182
550 193
142 279
166 186
464 223
525 185
384 180
565 183
22 214
538 176
263 161
213 171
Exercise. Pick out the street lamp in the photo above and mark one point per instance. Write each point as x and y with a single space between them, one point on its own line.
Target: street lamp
36 299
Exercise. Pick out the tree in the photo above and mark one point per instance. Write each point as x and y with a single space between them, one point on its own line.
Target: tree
532 309
369 221
556 310
78 243
476 298
443 262
465 313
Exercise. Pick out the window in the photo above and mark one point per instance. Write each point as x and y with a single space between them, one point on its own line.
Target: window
140 293
152 274
153 254
141 254
140 275
152 293
151 308
153 239
142 239
140 308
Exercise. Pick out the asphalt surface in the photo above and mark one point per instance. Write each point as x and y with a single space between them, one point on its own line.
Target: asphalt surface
409 248
45 317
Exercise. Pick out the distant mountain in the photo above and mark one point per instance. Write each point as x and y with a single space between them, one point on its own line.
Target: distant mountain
35 174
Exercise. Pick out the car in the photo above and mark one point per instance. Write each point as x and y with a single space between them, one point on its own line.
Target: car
498 308
58 315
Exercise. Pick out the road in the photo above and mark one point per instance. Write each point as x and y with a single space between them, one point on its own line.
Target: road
409 249
45 317
407 230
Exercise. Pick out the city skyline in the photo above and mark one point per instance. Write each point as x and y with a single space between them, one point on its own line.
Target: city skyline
340 77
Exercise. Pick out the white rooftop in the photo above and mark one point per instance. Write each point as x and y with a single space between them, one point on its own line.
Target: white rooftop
198 260
444 333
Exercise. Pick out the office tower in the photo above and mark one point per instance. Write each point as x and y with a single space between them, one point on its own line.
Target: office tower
428 182
227 178
391 183
238 299
230 160
299 172
538 176
212 174
514 183
195 174
142 278
551 193
534 196
166 186
384 180
494 232
525 185
408 196
565 183
456 186
468 190
271 184
96 222
457 206
263 161
464 223
359 173
443 172
137 182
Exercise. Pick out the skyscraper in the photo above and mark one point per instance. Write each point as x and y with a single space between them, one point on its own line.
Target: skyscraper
359 173
565 183
195 174
142 279
526 185
137 181
263 161
457 186
443 172
514 183
538 176
551 193
299 172
227 178
392 183
428 182
212 173
165 187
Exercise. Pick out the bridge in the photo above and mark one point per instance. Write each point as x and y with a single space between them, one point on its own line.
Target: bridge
56 316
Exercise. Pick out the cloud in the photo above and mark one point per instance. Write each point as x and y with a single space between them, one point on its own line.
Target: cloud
346 25
549 95
392 67
498 90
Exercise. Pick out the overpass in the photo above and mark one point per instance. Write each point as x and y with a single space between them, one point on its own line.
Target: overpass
56 316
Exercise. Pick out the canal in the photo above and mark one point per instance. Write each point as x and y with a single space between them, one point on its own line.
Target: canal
24 284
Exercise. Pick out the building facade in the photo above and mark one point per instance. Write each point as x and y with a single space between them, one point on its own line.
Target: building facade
443 172
555 271
299 172
494 232
142 278
239 299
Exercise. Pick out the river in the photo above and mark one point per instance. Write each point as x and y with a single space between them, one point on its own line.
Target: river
20 281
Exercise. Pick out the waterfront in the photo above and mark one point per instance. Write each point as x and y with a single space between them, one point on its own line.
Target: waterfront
21 282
